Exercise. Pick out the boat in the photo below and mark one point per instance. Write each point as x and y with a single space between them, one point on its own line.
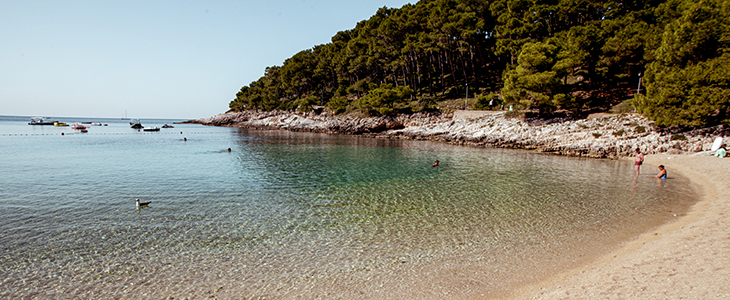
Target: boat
59 124
78 126
151 129
125 115
95 124
167 126
41 121
136 124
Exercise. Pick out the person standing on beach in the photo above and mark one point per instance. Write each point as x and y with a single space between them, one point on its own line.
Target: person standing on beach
638 160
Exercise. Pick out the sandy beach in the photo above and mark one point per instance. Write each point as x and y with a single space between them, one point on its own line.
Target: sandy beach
685 259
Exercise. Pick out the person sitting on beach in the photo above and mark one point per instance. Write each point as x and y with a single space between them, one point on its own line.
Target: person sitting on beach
436 163
662 173
722 152
638 160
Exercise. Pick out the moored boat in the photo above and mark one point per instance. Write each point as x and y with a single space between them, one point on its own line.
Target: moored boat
41 121
136 124
167 126
78 126
59 124
151 129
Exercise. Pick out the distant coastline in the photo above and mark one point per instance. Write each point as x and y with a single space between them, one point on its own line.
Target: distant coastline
598 136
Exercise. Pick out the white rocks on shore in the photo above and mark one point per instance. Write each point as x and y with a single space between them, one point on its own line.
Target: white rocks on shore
609 136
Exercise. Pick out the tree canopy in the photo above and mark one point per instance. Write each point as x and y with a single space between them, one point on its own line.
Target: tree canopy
544 55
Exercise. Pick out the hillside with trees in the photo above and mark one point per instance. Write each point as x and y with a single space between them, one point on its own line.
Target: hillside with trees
567 56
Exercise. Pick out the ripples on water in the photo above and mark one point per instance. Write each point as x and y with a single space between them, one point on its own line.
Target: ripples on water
298 215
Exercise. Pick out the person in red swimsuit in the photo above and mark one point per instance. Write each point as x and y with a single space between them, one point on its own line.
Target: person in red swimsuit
638 160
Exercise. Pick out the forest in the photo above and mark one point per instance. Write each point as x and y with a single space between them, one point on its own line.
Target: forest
668 60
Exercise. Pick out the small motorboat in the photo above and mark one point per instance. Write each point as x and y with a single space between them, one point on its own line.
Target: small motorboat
167 126
95 124
151 129
78 126
58 124
41 121
136 124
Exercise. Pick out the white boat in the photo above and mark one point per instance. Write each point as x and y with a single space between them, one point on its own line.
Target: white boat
41 121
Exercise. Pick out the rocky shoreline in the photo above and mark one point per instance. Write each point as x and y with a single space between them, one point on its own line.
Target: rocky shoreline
598 136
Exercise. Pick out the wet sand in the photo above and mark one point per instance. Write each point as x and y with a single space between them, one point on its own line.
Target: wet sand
686 259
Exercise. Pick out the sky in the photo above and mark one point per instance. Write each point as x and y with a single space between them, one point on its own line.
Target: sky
154 59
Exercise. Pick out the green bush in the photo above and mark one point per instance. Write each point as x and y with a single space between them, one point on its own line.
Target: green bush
482 102
338 104
596 135
678 137
306 104
384 98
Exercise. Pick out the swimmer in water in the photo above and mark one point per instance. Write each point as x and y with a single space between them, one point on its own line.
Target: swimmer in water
662 173
436 163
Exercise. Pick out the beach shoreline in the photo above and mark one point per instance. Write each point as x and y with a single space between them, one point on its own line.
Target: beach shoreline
685 259
611 136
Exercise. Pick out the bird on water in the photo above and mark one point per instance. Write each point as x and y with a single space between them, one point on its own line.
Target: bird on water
140 204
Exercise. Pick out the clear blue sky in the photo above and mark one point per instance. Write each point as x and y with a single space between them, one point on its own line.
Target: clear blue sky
154 59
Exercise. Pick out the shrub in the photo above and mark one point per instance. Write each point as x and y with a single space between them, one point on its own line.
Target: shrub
678 137
482 102
618 133
338 104
596 135
305 105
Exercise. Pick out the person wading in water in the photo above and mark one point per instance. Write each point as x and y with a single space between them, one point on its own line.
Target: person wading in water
638 160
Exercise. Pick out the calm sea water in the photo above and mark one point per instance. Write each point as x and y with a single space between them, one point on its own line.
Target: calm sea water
300 215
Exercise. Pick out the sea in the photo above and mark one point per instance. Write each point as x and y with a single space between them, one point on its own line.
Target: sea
292 215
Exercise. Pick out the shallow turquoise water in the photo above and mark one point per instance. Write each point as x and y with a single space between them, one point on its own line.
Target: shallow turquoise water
297 215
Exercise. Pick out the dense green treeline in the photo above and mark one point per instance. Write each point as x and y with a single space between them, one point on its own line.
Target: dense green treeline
575 55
